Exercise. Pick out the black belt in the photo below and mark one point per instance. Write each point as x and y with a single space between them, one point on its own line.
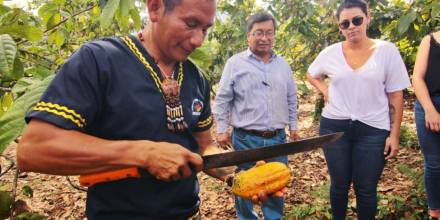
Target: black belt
265 134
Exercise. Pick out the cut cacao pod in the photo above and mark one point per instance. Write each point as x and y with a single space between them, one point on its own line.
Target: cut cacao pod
270 177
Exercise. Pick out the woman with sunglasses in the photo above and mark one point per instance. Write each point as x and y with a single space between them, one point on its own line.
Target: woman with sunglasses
364 99
426 82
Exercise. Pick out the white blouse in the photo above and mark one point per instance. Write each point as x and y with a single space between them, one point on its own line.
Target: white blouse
361 94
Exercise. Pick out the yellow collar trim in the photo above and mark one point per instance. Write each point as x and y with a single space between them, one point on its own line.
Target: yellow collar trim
135 50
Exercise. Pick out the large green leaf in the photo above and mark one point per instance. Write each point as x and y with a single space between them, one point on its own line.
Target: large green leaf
47 12
29 32
123 17
12 122
57 37
18 70
53 20
125 6
22 86
108 13
8 50
405 21
38 72
5 204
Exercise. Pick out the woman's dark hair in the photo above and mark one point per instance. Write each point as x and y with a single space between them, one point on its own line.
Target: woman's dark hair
352 4
260 17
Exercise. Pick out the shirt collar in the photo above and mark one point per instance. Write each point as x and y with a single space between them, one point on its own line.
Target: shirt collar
249 53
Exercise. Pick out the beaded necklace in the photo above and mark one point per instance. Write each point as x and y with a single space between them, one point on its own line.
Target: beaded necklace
168 87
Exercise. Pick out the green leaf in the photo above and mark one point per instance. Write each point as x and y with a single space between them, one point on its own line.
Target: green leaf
59 2
57 37
136 18
47 10
125 6
12 122
30 216
38 72
201 57
435 12
22 86
5 204
12 16
8 51
53 20
109 12
29 32
18 70
27 191
405 21
4 9
5 102
61 37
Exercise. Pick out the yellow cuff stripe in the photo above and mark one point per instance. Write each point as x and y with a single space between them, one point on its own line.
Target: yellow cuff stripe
62 111
205 122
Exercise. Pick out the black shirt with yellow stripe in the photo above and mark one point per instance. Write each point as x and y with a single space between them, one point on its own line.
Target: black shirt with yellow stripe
105 90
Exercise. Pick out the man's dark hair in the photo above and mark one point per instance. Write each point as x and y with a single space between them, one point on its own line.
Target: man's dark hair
352 4
170 4
260 17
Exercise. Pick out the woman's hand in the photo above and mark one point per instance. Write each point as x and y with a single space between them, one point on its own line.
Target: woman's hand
293 136
325 94
392 147
432 120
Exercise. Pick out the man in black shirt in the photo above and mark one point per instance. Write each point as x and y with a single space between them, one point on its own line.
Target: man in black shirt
130 101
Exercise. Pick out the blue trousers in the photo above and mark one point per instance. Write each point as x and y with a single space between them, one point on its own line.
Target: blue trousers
355 158
430 144
272 209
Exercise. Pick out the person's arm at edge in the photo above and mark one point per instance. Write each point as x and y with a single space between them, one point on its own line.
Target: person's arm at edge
222 104
207 147
292 101
319 84
392 144
419 84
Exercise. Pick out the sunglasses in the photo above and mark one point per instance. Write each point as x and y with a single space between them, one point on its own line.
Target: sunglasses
356 21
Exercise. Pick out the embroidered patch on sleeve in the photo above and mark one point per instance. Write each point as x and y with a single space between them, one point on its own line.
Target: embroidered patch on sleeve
61 111
196 107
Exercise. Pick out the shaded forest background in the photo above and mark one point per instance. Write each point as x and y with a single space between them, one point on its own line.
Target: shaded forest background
37 39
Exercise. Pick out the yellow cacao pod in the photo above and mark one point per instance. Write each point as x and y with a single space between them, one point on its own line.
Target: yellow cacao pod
270 177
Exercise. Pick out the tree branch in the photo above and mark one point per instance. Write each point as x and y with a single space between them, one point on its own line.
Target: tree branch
61 22
11 165
74 15
38 56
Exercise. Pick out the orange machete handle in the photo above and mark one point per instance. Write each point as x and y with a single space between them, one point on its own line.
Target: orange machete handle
95 178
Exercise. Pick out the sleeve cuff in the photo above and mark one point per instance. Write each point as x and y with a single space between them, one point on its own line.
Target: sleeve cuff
205 124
